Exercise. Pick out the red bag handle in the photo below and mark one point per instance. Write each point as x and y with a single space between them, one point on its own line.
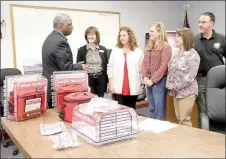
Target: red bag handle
72 85
75 94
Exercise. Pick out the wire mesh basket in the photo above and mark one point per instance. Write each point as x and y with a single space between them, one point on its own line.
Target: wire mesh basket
65 82
104 125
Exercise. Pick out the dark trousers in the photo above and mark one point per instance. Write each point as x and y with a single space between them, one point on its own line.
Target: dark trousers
98 84
129 101
201 99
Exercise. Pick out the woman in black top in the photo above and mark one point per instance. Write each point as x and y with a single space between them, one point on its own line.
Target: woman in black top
96 57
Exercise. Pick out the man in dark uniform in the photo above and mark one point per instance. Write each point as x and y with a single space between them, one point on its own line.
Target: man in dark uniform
211 47
56 52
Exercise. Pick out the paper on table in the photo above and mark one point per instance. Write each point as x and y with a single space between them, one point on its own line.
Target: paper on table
65 140
50 129
155 126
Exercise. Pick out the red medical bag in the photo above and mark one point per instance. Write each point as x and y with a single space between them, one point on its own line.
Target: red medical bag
30 103
63 90
70 101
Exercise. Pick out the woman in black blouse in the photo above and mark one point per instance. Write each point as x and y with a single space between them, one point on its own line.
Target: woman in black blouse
96 57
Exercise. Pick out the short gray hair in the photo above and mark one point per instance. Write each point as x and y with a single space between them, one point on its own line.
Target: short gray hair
60 18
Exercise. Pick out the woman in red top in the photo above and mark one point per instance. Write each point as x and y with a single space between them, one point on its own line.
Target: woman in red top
124 69
154 70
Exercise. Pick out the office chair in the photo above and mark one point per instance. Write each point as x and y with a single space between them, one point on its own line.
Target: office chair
6 72
214 118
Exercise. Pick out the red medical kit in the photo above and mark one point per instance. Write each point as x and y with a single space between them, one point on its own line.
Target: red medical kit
25 96
66 82
72 100
63 90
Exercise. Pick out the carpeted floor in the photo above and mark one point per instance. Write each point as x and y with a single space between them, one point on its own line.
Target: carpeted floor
8 152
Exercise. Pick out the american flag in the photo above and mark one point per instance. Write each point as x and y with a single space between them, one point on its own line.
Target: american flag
186 23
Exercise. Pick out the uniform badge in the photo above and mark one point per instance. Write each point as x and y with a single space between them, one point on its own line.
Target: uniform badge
216 45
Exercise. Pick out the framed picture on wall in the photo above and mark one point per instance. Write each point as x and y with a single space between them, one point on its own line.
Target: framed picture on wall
146 39
171 35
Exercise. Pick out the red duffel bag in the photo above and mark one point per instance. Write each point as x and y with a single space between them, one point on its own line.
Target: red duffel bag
63 90
30 103
70 101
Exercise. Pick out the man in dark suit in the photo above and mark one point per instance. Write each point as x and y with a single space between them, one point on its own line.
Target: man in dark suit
56 52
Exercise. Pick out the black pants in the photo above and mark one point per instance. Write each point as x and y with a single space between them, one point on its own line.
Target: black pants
98 84
129 101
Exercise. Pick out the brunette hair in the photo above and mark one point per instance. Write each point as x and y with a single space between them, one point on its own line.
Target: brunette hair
93 29
188 38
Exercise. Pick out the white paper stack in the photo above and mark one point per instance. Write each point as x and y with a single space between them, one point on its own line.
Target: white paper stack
65 140
156 126
98 104
50 129
60 136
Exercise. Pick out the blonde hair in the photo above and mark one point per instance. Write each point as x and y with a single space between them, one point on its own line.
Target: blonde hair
132 39
162 37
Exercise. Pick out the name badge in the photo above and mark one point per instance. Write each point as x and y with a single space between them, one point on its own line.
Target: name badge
101 51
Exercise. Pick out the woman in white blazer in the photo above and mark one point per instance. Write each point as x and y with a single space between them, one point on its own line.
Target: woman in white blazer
124 69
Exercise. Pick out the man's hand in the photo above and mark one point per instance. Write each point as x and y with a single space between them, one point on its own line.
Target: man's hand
84 67
81 62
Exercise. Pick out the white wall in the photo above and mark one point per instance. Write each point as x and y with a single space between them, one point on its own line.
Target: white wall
199 7
137 15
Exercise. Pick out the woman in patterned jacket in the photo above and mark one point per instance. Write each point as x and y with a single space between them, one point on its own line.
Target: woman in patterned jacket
182 71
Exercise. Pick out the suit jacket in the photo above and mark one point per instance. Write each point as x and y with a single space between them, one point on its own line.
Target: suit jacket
81 56
57 56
